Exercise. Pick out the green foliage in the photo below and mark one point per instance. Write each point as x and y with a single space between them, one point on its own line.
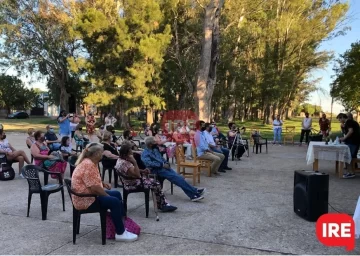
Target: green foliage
14 95
346 86
125 52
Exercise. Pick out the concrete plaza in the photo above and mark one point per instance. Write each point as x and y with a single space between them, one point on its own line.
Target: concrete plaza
248 210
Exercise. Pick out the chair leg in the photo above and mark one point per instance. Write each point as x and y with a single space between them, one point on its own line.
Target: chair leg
147 199
266 148
75 224
29 203
63 198
103 174
78 224
198 173
110 174
172 188
103 226
115 179
194 176
44 197
125 197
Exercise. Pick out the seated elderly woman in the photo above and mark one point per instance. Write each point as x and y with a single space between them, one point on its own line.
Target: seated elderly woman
86 180
135 178
110 151
11 153
40 152
135 149
79 137
30 140
181 139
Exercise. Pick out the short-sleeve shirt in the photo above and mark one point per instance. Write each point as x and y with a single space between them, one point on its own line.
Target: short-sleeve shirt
122 166
111 148
50 136
354 139
5 146
64 126
85 175
324 124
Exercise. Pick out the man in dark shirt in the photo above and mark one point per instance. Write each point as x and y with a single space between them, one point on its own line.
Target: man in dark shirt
351 138
51 139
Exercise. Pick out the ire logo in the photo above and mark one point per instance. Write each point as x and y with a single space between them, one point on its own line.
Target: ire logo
336 230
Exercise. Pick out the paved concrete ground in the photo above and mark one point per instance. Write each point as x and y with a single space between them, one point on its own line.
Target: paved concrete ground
246 211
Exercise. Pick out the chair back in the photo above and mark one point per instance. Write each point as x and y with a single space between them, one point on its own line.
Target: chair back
194 154
179 154
68 186
290 130
31 173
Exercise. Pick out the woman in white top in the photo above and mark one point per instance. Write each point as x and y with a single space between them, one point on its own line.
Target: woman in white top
110 120
277 126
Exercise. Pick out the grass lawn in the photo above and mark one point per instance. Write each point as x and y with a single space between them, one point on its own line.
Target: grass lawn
21 125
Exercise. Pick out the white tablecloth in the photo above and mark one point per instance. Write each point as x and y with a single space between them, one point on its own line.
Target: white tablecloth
318 150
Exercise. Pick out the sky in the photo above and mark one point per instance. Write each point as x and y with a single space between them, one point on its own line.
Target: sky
338 45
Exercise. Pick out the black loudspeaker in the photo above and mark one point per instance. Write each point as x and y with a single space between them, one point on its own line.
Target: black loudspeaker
311 194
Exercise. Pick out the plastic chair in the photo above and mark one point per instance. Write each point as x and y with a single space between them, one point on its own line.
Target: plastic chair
31 173
72 161
142 189
77 213
259 142
108 165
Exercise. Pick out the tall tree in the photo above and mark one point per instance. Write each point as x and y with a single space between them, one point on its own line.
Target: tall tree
346 86
36 39
209 58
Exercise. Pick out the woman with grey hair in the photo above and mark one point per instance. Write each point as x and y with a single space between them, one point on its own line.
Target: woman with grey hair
86 180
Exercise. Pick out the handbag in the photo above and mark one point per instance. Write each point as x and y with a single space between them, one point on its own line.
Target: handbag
6 171
130 226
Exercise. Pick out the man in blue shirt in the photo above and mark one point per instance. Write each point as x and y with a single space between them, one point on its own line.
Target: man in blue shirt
203 150
154 161
64 124
215 148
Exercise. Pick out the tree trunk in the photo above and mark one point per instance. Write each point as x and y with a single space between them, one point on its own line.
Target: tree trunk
209 57
64 96
150 116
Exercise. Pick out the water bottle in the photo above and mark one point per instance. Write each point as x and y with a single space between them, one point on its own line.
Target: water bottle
337 140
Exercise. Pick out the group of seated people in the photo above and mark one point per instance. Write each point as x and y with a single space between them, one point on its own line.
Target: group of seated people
132 163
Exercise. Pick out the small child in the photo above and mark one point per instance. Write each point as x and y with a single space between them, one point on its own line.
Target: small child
66 148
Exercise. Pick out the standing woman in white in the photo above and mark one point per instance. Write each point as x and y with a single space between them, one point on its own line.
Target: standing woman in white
110 121
277 127
306 128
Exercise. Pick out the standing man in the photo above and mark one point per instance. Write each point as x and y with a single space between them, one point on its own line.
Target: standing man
203 151
324 125
64 124
351 139
305 128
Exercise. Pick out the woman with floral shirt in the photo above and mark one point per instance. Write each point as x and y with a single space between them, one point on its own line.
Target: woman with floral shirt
134 178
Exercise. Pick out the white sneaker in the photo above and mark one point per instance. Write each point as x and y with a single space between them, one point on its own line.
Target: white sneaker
126 237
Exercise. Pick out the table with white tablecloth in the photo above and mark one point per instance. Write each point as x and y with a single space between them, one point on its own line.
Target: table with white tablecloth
320 151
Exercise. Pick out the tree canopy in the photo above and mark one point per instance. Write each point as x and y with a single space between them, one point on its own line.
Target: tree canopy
244 59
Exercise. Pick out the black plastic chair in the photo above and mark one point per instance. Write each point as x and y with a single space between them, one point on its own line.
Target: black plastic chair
259 142
127 192
72 161
31 173
77 213
108 165
2 155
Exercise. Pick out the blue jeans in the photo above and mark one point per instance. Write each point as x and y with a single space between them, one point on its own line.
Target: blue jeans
178 180
353 150
277 134
114 203
225 152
